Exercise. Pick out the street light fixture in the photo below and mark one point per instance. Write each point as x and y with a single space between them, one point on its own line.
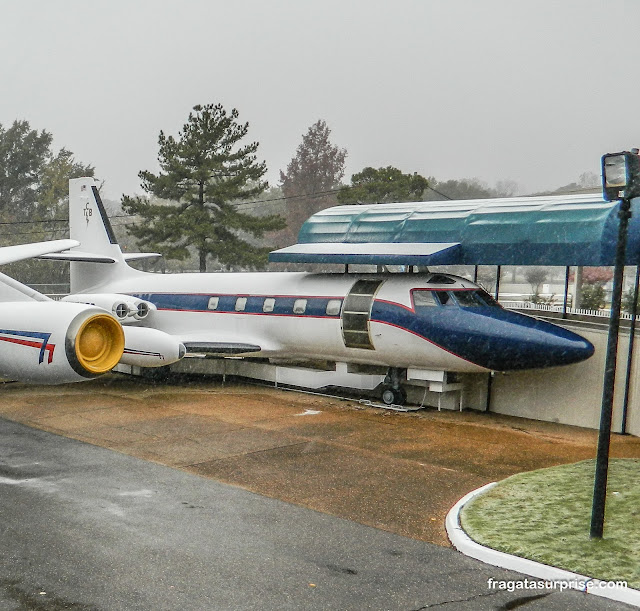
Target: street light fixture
621 175
620 180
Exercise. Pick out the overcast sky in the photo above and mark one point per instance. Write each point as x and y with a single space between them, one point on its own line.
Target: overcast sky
530 91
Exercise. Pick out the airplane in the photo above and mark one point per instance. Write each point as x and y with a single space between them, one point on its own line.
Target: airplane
50 342
429 321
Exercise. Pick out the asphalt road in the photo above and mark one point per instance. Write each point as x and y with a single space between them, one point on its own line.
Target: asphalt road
88 528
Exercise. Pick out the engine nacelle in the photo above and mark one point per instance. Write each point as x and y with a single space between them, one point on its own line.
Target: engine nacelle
123 307
52 342
145 347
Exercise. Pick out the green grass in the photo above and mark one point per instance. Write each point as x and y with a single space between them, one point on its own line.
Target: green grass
545 516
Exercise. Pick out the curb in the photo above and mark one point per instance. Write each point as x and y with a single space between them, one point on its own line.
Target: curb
467 546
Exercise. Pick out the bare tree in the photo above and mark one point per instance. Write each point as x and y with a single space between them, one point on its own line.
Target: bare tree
310 179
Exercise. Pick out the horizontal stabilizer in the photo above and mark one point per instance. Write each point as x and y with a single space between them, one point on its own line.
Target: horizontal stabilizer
136 256
376 253
219 348
77 255
9 254
89 257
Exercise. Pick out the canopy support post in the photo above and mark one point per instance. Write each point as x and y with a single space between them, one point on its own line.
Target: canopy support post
632 336
566 293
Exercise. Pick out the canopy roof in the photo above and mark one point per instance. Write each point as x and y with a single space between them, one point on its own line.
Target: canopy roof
546 230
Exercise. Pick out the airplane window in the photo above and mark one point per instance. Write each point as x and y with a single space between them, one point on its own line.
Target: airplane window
333 307
269 304
474 299
299 306
241 303
467 299
487 299
423 298
213 303
444 298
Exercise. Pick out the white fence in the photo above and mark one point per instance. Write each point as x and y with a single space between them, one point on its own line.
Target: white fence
541 307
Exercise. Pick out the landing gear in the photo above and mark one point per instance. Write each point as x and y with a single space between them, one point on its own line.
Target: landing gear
394 396
392 391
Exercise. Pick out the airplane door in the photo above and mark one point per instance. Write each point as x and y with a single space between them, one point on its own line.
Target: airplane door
356 314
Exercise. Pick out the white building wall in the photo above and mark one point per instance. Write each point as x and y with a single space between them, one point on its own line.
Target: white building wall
572 394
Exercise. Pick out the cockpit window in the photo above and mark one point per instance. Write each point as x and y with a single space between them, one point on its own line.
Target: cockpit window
486 298
423 299
465 298
468 299
444 298
474 299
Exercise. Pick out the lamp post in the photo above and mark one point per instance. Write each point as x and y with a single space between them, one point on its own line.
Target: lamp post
620 180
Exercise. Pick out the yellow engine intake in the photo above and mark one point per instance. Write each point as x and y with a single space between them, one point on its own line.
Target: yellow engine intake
99 343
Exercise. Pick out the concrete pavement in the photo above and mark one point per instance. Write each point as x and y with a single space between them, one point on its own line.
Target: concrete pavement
395 471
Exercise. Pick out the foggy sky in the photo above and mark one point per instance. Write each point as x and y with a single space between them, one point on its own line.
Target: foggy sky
533 92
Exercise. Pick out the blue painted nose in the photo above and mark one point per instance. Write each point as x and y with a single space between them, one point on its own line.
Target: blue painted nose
536 347
512 341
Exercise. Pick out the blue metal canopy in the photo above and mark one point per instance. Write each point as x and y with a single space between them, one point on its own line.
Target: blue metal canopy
546 230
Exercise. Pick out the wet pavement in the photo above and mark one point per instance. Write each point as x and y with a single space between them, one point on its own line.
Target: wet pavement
89 529
400 472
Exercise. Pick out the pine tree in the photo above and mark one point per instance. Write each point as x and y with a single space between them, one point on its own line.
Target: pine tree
383 185
203 172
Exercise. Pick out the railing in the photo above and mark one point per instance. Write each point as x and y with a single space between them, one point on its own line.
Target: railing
543 307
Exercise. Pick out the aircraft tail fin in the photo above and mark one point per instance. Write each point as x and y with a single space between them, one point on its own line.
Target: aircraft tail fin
98 260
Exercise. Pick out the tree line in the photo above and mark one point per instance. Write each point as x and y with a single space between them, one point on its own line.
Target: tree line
209 201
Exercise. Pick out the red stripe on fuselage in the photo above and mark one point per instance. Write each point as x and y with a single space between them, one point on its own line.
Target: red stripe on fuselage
336 318
251 313
390 324
31 344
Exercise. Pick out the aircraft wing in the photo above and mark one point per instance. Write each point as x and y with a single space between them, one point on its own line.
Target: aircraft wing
9 254
12 290
219 348
213 344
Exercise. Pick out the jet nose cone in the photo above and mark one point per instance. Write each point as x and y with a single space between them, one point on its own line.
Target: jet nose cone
568 350
583 351
543 346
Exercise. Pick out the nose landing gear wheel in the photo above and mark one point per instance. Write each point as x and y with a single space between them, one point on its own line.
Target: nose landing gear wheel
394 396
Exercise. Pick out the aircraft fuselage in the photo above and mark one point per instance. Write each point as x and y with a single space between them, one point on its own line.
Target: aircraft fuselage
427 321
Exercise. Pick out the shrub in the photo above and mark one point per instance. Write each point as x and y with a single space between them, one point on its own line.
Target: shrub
593 297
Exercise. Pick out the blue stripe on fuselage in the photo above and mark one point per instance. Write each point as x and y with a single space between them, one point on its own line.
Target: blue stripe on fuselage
488 336
316 306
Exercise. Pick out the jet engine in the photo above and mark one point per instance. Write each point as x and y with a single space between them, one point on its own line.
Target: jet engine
123 307
51 342
145 347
